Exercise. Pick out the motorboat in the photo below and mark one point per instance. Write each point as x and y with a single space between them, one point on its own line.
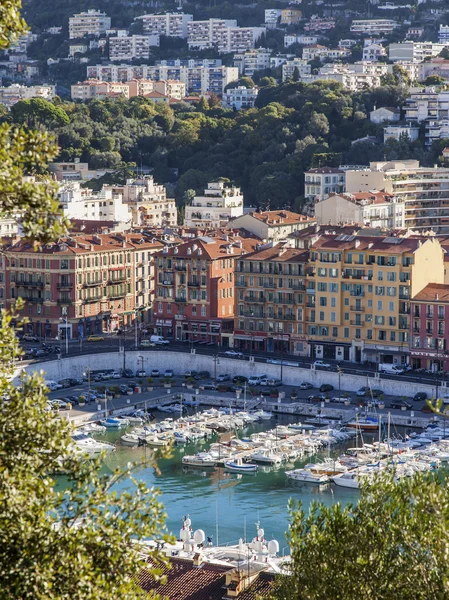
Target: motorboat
202 459
307 476
364 423
267 456
263 415
347 480
114 423
239 466
86 445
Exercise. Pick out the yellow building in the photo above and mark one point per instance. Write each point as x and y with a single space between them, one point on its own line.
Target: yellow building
290 16
358 294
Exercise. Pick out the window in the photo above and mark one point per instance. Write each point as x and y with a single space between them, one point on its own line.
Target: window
64 263
380 276
194 313
346 332
322 286
333 287
391 291
380 305
391 276
392 336
391 306
334 332
392 321
369 334
333 317
346 316
323 301
358 334
379 320
333 272
380 290
203 311
169 308
333 302
346 301
321 316
382 336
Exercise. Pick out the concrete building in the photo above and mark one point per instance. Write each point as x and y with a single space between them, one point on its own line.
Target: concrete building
323 53
272 17
373 26
429 334
435 66
318 24
168 24
296 38
74 171
77 48
82 285
199 79
290 16
272 225
252 60
372 209
424 190
443 34
290 66
429 106
373 52
131 47
224 35
136 87
356 77
15 92
219 204
147 202
92 22
194 299
270 300
323 181
413 51
240 97
396 132
384 113
81 203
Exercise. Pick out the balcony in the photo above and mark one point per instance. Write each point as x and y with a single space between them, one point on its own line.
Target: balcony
65 285
181 267
252 299
180 299
29 283
299 286
286 318
311 304
91 283
114 295
270 286
357 308
358 294
240 284
357 323
64 302
118 279
404 311
34 300
193 283
253 315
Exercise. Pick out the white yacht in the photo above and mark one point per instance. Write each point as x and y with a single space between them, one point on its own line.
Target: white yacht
307 476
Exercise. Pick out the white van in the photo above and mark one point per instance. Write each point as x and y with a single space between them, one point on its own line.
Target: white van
158 339
390 369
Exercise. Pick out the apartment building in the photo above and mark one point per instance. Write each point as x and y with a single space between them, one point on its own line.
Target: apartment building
81 285
373 26
414 51
92 22
429 333
303 40
272 17
169 24
397 132
198 80
424 191
240 97
15 92
435 66
136 87
356 77
323 53
289 68
359 290
147 202
252 60
431 107
290 16
131 47
194 298
224 35
372 209
318 24
323 181
84 204
270 286
373 52
215 208
272 225
443 34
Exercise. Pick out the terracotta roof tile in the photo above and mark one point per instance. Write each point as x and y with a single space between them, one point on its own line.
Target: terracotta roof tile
280 217
433 292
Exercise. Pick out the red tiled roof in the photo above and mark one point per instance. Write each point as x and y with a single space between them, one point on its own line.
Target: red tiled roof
279 254
433 292
280 217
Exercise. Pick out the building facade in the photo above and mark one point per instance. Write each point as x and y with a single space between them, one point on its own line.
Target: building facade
240 97
214 210
92 22
169 24
373 26
131 47
323 181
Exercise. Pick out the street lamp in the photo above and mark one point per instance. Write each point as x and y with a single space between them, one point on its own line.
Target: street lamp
64 320
142 359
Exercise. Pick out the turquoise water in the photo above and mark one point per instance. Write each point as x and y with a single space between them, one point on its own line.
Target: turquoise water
226 503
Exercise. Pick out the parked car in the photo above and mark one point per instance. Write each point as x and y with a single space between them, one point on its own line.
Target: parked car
375 392
188 373
320 364
420 396
123 388
128 373
234 354
169 373
426 409
274 382
59 403
29 337
158 340
224 377
305 385
201 375
363 391
115 375
326 387
76 381
65 383
95 338
389 369
317 398
147 344
401 404
155 373
141 373
210 386
239 379
340 399
74 400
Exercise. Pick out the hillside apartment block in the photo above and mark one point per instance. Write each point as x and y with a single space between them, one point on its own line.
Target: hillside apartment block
168 24
92 22
224 35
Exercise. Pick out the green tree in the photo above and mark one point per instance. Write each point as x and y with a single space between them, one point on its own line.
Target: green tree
435 80
295 76
242 81
392 544
38 111
11 24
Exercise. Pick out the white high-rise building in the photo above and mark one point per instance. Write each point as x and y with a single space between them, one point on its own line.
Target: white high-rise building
79 203
169 24
218 205
224 35
131 47
92 22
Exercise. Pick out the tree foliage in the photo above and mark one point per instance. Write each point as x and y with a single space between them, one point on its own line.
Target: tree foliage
392 544
11 23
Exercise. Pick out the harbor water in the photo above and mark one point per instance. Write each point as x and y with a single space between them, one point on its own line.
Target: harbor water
226 505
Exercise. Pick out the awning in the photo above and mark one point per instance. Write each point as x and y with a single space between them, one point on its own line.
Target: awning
385 351
249 338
